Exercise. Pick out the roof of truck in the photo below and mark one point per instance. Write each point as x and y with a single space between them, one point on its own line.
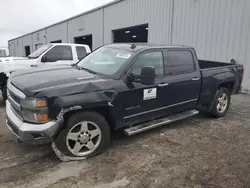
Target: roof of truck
88 50
141 46
71 44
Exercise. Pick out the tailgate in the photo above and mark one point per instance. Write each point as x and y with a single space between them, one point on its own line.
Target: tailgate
239 73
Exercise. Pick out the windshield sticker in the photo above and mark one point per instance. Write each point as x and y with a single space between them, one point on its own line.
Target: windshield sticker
125 56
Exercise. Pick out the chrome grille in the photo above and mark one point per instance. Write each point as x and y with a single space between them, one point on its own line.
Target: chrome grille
15 97
15 106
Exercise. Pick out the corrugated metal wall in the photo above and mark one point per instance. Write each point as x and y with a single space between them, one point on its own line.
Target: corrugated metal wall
11 46
136 12
90 23
57 32
27 41
38 39
218 29
18 47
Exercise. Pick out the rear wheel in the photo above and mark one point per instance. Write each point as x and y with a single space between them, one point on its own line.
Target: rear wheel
221 102
87 134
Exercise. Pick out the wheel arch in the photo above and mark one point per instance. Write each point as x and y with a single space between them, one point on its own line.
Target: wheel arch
229 85
105 111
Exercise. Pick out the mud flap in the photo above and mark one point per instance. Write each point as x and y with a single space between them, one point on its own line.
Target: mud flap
62 156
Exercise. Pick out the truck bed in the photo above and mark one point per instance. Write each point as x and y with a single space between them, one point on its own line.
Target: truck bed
205 64
212 69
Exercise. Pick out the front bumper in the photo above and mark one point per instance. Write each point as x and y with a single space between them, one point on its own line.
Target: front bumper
31 133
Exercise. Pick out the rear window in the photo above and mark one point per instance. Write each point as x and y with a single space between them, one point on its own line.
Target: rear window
81 52
178 62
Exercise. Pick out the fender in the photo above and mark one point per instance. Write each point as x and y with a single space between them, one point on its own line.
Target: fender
101 101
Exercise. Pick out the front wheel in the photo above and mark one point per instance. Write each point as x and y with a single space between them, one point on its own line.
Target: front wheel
221 103
87 134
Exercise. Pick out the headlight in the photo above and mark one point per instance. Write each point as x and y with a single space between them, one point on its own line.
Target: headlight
35 110
35 117
34 103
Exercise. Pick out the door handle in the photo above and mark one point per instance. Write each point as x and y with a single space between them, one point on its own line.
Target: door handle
195 79
163 85
34 65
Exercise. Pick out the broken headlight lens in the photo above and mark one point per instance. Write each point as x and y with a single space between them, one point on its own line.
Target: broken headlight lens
35 117
34 103
35 110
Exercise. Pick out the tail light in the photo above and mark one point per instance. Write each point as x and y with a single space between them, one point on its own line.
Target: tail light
242 75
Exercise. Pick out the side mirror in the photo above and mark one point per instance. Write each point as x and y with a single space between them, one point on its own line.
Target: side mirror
43 59
148 75
130 78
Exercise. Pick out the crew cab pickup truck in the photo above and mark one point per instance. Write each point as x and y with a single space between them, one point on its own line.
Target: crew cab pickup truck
47 55
119 86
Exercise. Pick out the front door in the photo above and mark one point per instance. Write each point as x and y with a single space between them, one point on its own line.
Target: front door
141 102
58 55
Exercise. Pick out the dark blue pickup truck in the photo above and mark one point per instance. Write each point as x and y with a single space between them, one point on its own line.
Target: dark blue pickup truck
118 86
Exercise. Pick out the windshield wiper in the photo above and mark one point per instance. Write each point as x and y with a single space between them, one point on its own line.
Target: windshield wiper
90 71
75 65
82 68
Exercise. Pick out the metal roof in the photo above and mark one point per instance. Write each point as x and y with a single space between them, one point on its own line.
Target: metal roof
71 18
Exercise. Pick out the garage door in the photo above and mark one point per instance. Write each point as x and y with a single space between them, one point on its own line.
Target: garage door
87 39
133 34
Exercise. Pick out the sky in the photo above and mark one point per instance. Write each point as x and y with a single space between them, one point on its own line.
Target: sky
18 17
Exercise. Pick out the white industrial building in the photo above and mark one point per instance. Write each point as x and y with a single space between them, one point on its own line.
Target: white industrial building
217 29
2 53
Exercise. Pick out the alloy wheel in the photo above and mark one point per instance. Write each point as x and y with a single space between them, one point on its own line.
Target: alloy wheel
83 138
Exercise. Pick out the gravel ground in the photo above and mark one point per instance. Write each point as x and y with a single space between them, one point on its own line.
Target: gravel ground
197 152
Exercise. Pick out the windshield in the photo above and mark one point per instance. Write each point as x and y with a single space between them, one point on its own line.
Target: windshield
39 51
105 60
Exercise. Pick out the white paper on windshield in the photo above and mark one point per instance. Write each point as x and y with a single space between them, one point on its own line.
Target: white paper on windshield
125 56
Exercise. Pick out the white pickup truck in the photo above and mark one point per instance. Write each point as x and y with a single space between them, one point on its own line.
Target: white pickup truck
47 55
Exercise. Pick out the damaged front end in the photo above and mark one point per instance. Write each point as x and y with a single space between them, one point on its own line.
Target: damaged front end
88 102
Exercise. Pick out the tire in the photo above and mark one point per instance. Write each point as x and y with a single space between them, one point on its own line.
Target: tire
219 106
75 135
4 93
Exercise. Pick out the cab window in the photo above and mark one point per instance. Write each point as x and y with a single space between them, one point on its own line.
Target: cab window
154 59
58 53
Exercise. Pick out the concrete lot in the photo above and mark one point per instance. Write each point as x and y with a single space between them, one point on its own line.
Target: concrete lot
198 152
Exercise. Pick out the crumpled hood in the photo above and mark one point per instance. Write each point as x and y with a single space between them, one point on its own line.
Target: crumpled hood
63 78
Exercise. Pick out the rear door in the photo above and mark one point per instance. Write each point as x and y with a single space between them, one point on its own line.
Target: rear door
182 81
